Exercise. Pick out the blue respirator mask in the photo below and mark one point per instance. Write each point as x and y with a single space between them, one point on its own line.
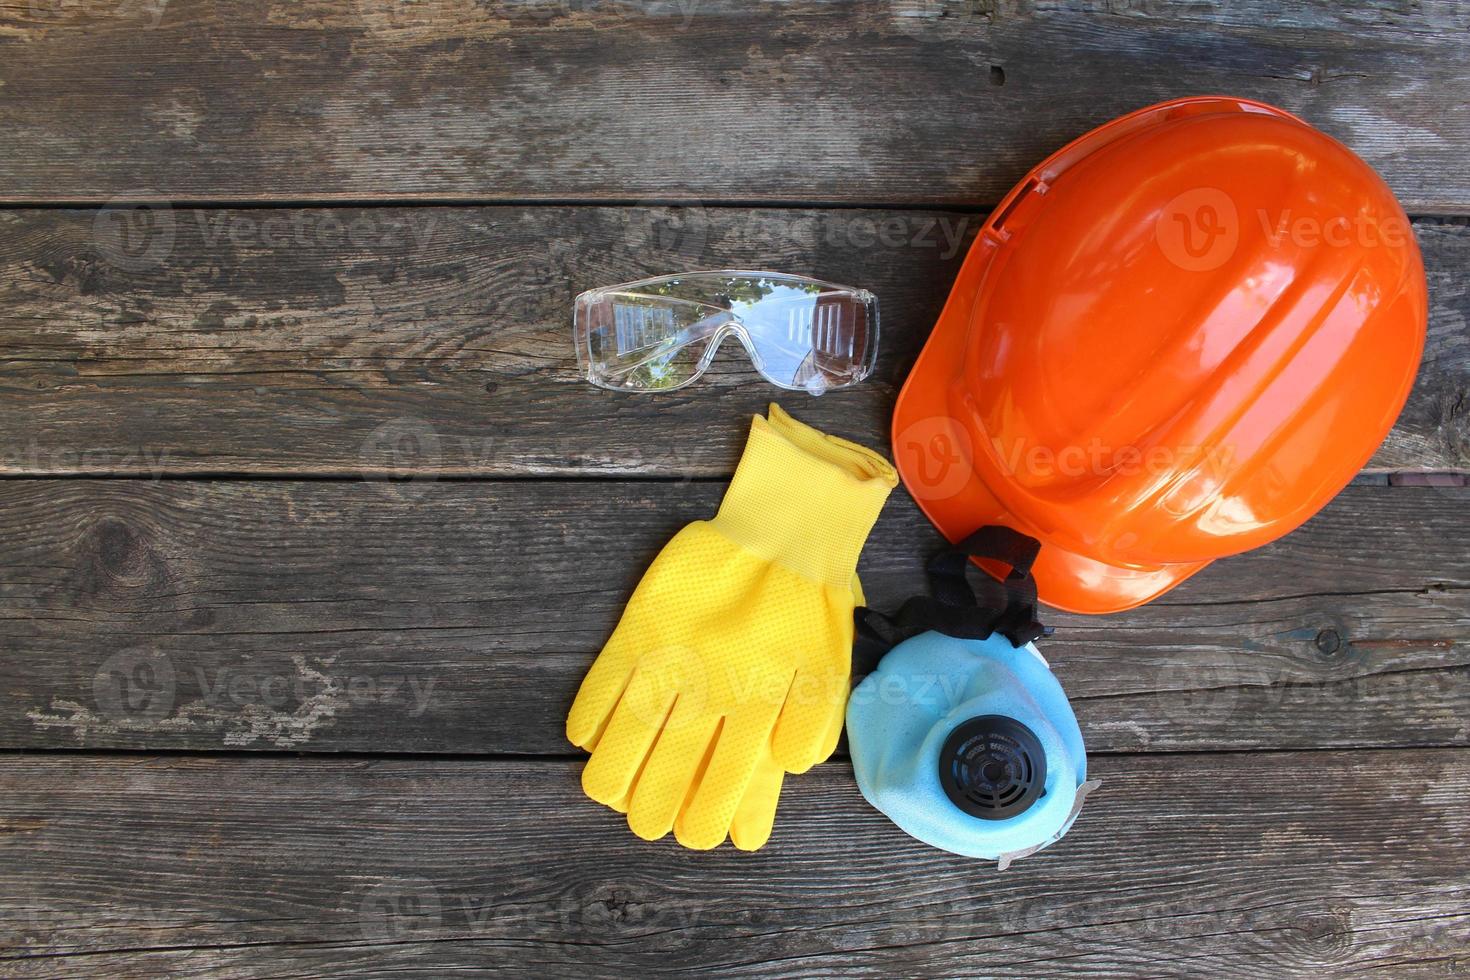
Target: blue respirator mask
962 736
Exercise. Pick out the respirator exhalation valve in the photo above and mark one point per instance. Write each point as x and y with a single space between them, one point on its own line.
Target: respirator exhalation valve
993 767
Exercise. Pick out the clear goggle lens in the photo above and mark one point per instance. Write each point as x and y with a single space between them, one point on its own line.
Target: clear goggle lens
660 334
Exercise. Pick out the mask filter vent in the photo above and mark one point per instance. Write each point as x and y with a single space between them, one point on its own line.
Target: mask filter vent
992 767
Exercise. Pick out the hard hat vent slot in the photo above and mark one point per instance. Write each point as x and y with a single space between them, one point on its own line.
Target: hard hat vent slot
1012 215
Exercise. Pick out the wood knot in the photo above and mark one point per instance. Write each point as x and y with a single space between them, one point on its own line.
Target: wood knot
1328 646
617 909
113 556
610 907
117 546
1325 937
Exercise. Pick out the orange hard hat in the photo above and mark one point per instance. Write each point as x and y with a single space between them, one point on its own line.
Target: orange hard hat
1176 339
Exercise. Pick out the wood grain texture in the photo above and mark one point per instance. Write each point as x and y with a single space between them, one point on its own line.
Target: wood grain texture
460 617
914 101
1252 865
299 640
436 340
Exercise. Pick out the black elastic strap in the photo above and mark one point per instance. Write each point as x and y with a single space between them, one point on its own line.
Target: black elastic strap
955 607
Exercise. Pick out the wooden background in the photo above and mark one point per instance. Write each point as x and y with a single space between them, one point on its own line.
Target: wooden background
308 530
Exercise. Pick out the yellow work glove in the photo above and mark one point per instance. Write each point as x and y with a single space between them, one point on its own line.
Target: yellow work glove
732 660
755 816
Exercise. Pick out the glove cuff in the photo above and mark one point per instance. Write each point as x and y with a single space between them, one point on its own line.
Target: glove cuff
805 499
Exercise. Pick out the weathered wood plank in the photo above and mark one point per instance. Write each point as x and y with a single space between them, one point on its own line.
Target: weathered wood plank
460 617
1246 864
905 101
437 340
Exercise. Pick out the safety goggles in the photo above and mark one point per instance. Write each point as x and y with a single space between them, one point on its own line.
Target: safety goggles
661 334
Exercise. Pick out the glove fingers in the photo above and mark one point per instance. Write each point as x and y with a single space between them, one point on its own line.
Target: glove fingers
800 739
744 741
754 818
673 767
751 826
600 693
610 773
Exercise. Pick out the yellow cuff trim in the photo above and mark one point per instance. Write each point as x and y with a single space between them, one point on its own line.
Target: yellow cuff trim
805 499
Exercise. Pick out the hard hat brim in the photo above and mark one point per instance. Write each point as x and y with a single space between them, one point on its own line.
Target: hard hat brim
1064 579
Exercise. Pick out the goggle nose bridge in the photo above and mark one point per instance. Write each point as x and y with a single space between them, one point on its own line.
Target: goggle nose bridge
732 327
